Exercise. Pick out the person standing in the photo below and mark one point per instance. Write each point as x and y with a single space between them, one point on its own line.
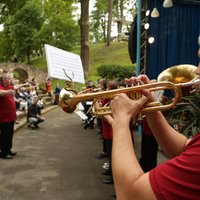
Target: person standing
7 114
48 86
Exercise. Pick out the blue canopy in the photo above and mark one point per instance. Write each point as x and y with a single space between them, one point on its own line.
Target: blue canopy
176 33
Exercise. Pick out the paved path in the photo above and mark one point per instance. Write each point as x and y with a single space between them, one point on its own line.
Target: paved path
56 162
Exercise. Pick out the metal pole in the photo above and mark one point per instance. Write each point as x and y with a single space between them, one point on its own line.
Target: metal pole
138 47
138 37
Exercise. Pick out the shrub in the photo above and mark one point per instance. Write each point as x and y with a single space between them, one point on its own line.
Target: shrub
116 72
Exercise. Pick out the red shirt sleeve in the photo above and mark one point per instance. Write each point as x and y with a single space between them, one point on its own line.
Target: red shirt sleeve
7 106
179 178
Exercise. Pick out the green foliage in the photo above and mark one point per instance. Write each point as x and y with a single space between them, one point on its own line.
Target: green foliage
29 24
116 72
100 54
40 63
186 115
98 22
6 50
59 29
22 27
9 7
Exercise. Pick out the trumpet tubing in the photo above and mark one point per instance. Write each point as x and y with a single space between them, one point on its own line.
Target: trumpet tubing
69 102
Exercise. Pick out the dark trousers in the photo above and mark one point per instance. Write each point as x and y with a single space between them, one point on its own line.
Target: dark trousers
6 137
149 149
109 149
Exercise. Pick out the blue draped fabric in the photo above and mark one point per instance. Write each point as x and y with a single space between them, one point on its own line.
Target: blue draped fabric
176 33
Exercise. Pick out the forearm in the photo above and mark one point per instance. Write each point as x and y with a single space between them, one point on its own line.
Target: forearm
6 92
171 141
20 85
126 169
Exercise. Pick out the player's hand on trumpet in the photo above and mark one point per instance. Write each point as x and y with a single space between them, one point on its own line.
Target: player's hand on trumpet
142 79
124 109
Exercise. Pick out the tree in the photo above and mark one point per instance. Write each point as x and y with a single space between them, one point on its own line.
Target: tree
59 29
110 6
9 7
99 21
33 25
84 26
7 49
23 26
119 14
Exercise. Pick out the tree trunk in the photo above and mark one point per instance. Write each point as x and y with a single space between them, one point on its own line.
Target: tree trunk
103 26
120 17
110 4
121 9
84 26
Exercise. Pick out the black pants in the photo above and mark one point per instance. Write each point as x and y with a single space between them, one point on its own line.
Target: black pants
6 137
109 150
149 149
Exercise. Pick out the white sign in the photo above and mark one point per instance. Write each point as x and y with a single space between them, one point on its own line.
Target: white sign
64 65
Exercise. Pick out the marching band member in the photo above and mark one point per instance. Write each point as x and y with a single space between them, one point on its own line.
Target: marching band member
177 178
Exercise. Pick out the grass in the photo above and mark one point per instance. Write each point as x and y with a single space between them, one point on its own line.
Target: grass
40 63
116 53
100 54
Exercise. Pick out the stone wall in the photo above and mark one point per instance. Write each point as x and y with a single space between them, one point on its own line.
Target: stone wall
25 71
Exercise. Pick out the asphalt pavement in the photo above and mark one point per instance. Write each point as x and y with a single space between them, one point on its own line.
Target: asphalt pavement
56 162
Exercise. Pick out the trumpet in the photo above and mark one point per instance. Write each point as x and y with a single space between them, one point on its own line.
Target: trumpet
69 101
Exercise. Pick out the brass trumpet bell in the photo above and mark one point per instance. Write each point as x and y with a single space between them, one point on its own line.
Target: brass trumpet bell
178 74
65 95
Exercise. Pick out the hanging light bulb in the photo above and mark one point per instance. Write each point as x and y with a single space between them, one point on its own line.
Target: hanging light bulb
167 3
155 13
151 40
146 26
147 13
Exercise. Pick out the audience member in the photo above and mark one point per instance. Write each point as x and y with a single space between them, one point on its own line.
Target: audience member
56 94
34 116
20 102
34 83
48 86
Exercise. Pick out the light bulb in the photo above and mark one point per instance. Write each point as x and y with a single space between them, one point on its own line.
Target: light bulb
167 3
147 13
151 40
146 26
155 13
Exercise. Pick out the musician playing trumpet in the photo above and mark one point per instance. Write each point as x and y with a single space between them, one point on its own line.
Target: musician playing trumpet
177 178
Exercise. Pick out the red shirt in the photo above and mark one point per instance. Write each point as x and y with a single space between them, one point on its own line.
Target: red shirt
179 178
106 128
48 86
7 106
145 127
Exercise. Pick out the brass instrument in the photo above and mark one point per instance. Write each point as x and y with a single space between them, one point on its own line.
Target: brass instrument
89 90
69 101
178 74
